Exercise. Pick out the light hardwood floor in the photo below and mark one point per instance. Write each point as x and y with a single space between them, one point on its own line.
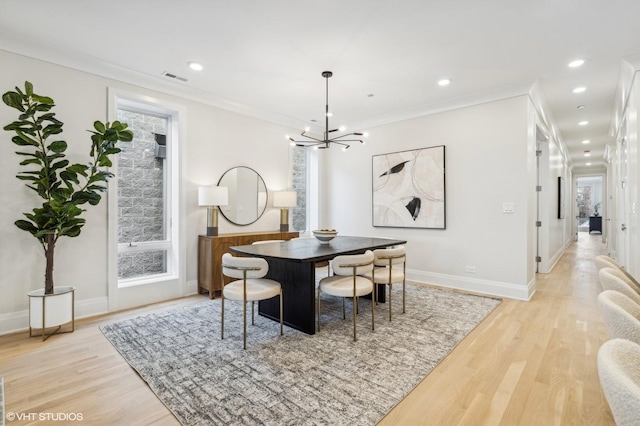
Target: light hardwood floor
528 363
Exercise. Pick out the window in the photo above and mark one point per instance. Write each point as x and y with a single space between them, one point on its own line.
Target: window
304 164
299 179
147 186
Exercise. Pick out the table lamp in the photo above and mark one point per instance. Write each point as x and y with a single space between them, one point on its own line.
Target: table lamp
284 200
211 197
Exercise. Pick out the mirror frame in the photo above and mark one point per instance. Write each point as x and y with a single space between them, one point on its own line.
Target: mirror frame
263 207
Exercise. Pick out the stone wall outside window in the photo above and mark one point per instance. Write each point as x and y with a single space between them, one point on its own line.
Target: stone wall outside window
299 184
141 191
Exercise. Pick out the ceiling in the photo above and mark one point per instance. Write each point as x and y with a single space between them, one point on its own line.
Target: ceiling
265 58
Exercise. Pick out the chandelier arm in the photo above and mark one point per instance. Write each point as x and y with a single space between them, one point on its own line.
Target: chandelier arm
311 137
345 140
347 134
312 142
338 142
308 144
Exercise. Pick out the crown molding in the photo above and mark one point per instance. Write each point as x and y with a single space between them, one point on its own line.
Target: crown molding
55 55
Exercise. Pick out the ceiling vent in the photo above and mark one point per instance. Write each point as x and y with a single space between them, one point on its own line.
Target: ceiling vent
172 75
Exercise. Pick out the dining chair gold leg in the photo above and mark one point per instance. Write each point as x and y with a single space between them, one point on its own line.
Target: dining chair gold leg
354 319
390 288
373 324
244 315
403 297
355 305
222 320
281 312
318 308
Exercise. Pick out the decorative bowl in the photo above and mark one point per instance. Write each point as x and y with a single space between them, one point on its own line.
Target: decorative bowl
325 235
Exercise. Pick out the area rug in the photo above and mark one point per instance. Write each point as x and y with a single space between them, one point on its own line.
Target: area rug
295 379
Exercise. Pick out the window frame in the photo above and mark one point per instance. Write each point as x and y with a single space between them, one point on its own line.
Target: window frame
128 292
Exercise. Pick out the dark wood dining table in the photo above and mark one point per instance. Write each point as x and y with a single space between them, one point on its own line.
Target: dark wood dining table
293 265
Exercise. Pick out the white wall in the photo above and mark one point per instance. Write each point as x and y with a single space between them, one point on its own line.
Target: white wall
489 151
216 141
625 126
633 169
558 230
490 160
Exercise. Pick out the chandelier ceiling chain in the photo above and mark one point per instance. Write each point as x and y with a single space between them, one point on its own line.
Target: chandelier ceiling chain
324 143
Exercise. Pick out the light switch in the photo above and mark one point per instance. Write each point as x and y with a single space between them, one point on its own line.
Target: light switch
507 208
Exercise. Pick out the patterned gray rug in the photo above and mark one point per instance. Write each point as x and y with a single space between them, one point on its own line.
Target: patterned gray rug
295 379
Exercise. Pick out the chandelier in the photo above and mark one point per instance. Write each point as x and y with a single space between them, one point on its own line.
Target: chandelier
316 143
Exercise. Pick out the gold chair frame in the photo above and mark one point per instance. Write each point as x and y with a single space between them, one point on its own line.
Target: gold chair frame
390 284
354 267
244 270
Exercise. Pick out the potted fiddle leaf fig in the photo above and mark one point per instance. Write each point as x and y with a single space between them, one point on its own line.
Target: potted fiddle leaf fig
64 188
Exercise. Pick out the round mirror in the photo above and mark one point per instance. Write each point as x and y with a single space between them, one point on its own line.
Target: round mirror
247 195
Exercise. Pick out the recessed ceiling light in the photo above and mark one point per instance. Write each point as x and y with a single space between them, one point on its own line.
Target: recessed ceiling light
583 123
587 153
588 164
586 141
579 89
195 66
580 106
444 82
576 63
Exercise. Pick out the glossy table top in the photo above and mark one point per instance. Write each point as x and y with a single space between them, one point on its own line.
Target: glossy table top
311 250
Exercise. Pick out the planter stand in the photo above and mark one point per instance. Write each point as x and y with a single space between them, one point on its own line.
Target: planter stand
51 310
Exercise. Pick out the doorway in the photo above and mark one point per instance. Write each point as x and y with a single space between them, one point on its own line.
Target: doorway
589 204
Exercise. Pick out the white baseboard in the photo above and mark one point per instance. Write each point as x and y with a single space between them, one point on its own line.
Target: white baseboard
19 321
14 322
474 285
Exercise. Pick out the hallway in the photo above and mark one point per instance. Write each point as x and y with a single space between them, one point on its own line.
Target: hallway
529 363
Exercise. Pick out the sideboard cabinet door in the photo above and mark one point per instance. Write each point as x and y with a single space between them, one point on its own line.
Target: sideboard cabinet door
211 249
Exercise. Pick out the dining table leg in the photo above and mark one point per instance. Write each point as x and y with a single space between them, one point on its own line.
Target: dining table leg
298 294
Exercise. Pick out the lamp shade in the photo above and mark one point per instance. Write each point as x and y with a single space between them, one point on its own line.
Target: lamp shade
285 199
213 195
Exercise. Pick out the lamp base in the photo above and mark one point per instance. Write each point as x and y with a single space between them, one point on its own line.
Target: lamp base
284 227
212 231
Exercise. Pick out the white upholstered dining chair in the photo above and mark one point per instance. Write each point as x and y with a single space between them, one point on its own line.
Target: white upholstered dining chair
390 268
613 279
619 372
603 261
250 285
348 281
621 315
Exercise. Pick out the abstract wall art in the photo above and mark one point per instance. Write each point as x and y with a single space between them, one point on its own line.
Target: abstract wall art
409 188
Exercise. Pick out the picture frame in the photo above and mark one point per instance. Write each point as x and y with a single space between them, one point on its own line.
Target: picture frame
408 189
561 197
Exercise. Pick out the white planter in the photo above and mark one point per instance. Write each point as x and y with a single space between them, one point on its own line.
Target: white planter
51 310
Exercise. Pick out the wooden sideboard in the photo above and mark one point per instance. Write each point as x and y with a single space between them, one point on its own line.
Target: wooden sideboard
211 249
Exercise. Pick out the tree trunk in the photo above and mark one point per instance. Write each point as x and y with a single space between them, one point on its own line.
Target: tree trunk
48 274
